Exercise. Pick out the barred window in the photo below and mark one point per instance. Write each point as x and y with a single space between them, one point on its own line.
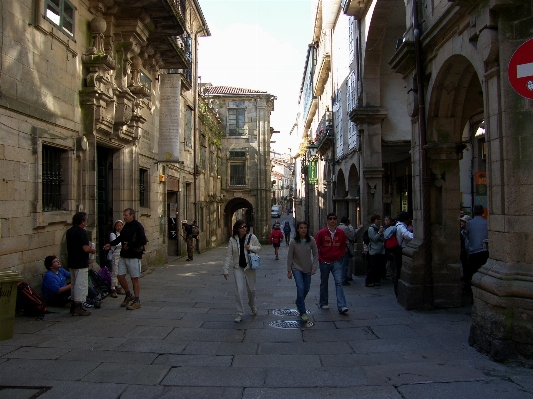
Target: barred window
237 174
61 14
188 127
237 154
236 118
143 188
52 178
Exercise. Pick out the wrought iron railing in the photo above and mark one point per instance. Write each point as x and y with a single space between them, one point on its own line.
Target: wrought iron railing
325 128
184 43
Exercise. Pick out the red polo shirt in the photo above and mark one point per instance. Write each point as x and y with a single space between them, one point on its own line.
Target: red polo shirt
330 250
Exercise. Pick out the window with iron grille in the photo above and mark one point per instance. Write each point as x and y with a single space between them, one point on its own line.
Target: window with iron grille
351 48
237 174
237 154
61 14
188 127
143 188
236 117
52 178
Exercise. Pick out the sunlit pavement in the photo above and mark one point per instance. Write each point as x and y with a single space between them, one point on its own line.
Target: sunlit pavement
183 343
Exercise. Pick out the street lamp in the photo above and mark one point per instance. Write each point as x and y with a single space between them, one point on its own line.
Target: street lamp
312 150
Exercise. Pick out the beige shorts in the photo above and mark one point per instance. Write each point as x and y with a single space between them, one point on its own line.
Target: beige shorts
131 266
79 280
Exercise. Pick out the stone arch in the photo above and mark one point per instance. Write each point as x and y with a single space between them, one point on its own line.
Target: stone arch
235 205
455 97
386 21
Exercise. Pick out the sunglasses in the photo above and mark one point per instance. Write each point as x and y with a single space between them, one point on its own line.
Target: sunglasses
332 218
242 227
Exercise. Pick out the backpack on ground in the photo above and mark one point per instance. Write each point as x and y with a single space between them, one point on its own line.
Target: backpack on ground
195 230
105 274
29 301
99 284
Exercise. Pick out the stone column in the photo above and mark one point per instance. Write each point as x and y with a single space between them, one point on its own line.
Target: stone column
502 316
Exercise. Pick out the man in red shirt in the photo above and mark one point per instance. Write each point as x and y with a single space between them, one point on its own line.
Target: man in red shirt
331 243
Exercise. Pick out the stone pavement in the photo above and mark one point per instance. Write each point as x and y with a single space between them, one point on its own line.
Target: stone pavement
183 343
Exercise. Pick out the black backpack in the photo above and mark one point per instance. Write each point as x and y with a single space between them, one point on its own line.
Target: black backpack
366 238
195 230
29 301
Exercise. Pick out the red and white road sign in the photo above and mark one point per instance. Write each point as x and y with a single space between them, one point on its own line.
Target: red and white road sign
521 70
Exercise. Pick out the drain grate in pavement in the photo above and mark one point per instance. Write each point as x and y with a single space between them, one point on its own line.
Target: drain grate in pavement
287 312
288 324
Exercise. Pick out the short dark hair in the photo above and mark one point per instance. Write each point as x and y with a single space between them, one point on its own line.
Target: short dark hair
238 223
297 234
403 216
374 217
478 210
331 214
79 218
48 261
345 220
131 211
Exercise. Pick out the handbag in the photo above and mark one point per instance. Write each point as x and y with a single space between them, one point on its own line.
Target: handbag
255 260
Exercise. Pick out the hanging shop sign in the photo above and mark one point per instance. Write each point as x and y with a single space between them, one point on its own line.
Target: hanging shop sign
312 172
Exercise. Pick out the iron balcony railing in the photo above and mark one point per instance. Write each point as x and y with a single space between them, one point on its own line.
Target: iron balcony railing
325 128
184 43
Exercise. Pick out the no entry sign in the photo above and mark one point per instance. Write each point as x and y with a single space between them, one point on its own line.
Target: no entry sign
521 70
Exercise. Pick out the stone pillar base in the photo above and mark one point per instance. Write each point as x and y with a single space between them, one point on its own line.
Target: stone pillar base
502 315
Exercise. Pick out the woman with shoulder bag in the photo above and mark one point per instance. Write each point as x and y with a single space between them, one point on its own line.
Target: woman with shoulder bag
302 262
113 255
237 256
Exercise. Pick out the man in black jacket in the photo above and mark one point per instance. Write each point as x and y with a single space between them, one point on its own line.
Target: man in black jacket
133 241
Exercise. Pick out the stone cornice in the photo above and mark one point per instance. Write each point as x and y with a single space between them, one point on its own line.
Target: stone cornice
367 115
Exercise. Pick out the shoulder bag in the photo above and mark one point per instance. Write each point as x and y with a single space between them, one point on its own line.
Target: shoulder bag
255 260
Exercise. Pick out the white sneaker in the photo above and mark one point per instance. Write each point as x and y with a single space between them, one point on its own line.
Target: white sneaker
324 306
238 319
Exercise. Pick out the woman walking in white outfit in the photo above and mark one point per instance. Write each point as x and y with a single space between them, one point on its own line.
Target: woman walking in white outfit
237 256
113 255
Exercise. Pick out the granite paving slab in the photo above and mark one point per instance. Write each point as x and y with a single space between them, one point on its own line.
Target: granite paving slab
151 346
83 390
17 371
304 348
37 353
128 374
201 393
360 392
194 360
19 393
205 335
216 377
496 389
334 377
113 356
285 361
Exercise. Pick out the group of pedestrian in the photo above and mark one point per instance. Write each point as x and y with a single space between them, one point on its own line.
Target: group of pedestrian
126 247
305 255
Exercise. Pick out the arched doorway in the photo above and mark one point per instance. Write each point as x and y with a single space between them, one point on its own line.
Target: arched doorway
238 208
455 115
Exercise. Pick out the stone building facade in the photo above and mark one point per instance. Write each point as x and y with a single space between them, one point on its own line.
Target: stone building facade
82 116
245 154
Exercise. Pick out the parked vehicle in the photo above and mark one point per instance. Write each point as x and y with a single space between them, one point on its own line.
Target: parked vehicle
276 211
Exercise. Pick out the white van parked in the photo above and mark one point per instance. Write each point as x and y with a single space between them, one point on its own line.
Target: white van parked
276 211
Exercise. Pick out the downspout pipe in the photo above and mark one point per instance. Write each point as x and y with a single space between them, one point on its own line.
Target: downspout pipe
424 169
195 123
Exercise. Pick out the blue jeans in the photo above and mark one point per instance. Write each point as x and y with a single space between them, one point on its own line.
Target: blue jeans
336 269
303 283
345 266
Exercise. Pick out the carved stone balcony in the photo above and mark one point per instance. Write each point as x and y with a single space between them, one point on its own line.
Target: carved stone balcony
356 8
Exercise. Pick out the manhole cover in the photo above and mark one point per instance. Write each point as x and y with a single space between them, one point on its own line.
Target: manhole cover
287 312
287 324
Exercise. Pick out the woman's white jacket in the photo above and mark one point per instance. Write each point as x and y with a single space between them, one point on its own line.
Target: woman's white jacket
233 254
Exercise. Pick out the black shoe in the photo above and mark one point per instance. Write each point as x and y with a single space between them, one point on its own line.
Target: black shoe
188 260
346 283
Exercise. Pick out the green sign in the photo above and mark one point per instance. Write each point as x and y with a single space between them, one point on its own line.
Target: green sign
312 172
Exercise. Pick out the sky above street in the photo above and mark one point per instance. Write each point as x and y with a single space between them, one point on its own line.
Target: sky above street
262 45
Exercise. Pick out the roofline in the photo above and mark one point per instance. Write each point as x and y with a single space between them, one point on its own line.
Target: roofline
202 17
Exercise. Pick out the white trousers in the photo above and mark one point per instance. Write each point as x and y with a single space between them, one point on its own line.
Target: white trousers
79 288
244 283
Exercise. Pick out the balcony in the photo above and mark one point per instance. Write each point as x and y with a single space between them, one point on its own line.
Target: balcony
183 46
324 136
356 8
323 64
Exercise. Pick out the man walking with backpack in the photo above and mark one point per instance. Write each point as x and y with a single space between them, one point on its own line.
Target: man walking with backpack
195 234
79 248
133 240
188 236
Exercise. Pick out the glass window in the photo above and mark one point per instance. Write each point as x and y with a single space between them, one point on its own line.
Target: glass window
237 174
52 178
188 127
236 119
61 14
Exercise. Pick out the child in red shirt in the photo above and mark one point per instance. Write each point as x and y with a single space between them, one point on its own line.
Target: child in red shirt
276 236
